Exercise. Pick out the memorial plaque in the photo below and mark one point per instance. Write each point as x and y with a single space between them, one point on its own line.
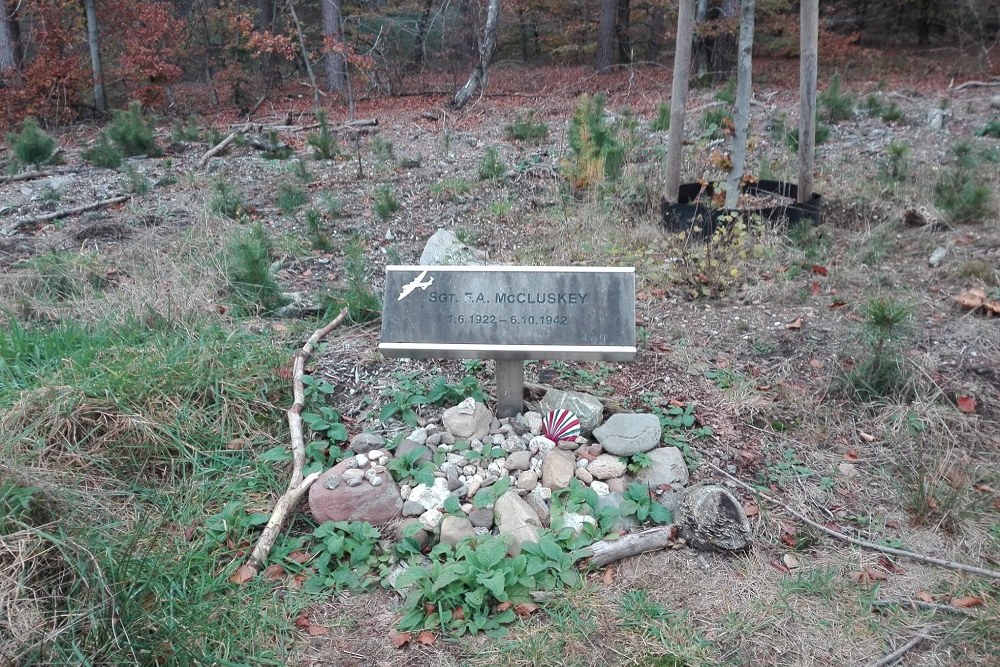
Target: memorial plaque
509 312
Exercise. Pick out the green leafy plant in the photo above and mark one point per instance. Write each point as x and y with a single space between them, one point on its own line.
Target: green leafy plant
17 503
344 557
836 104
412 466
383 149
403 399
492 167
32 146
361 302
131 133
991 129
275 148
882 372
525 129
710 267
896 167
324 144
488 496
638 501
138 184
249 274
443 392
788 468
961 191
662 121
231 523
185 131
638 462
385 202
301 171
319 238
716 122
227 201
103 154
597 156
791 135
450 188
291 198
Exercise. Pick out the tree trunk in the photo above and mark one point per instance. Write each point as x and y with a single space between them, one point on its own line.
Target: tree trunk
657 21
9 43
93 38
606 35
743 87
701 45
264 22
336 64
808 40
678 99
422 27
623 27
489 42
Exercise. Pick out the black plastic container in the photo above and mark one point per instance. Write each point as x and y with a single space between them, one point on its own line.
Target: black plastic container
690 209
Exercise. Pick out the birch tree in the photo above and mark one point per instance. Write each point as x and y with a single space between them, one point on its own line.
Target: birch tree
93 39
678 99
487 44
743 87
808 40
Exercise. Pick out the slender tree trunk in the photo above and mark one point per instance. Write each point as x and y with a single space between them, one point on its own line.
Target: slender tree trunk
9 44
93 38
808 40
422 27
743 87
623 27
701 44
606 35
264 22
678 99
336 64
657 21
488 44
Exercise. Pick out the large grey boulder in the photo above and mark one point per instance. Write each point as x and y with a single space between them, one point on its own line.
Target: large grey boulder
443 247
712 517
514 518
625 434
668 468
587 408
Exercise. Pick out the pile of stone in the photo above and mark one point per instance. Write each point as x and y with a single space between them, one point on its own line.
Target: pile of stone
479 450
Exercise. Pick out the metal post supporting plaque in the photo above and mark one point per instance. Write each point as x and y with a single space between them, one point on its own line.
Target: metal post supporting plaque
510 387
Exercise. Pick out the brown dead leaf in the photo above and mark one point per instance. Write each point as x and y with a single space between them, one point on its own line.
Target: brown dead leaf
429 608
316 630
751 509
816 363
820 270
795 324
299 556
992 307
868 437
867 576
525 609
779 566
189 531
279 327
458 614
816 288
966 602
303 621
972 298
504 606
890 566
609 576
244 574
273 572
790 561
852 454
984 488
967 404
426 637
924 596
400 639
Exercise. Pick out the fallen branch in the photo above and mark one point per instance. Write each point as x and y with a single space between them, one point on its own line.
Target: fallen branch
606 552
364 122
977 84
41 173
25 223
951 565
920 604
924 633
298 484
212 152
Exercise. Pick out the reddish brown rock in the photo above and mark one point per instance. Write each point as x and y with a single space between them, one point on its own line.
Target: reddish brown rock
364 502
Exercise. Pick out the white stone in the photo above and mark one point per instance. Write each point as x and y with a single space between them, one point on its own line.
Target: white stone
543 493
498 440
445 448
431 518
418 436
476 446
600 488
581 463
534 422
456 459
375 454
382 460
469 470
404 491
431 497
606 466
577 521
541 444
375 481
362 460
352 474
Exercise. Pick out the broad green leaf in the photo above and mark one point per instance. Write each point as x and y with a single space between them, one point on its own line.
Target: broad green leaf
413 620
660 514
489 553
550 548
336 433
387 412
279 453
452 505
475 597
495 584
451 574
409 576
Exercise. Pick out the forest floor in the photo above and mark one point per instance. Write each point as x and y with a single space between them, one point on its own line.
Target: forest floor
138 396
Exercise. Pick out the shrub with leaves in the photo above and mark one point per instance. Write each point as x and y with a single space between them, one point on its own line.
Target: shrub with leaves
32 146
344 557
713 266
252 285
323 142
525 129
597 154
639 502
362 303
961 190
412 466
103 154
443 392
385 202
882 372
662 121
131 133
291 197
492 167
836 104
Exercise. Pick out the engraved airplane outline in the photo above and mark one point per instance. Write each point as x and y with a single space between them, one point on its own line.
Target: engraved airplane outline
411 286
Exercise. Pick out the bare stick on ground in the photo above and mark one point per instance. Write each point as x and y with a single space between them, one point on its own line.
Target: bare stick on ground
924 633
951 565
212 152
921 605
298 484
41 173
25 223
606 552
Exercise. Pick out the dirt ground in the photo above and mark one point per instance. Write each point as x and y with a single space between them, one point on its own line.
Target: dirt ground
762 362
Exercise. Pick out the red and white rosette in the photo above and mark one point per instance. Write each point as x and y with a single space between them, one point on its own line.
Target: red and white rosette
560 425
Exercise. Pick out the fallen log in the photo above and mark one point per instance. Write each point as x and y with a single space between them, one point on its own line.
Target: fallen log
212 152
606 552
41 173
25 223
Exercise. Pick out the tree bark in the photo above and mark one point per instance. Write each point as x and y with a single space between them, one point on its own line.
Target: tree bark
678 99
701 45
264 22
336 63
9 43
623 26
606 552
743 88
418 43
93 38
808 40
488 44
606 35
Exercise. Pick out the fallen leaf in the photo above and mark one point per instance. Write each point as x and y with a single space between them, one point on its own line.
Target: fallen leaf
426 637
794 325
966 602
303 621
284 373
400 639
816 288
992 307
972 298
273 572
967 404
458 614
780 566
984 488
890 566
816 363
790 561
525 609
297 581
504 606
244 574
868 437
429 608
316 630
189 531
819 270
279 327
751 509
867 576
237 444
924 596
609 576
851 454
299 556
837 303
